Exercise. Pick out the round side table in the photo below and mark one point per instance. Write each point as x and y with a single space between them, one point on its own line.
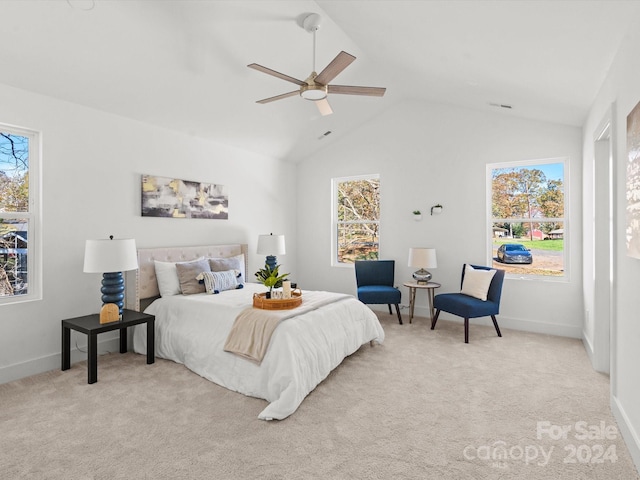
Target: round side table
413 287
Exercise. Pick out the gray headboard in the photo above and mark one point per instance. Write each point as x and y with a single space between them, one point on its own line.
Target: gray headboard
141 284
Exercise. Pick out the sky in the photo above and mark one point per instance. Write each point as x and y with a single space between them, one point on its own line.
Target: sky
553 171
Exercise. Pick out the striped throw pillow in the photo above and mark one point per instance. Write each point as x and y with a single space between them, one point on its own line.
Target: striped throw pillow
216 282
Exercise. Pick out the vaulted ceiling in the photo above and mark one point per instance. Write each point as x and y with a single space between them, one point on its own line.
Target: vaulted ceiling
183 64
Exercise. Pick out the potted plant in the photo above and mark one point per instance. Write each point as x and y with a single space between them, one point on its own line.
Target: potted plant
437 209
270 277
417 215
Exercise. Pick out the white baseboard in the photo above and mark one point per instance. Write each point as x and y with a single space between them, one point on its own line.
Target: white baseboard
588 346
559 330
53 362
629 434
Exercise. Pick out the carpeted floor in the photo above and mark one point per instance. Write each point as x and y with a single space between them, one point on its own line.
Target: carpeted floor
422 406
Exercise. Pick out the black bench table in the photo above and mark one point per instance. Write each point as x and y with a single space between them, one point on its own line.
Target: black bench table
91 326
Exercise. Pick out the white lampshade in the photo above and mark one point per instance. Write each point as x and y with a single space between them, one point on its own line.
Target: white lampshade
271 245
423 258
109 255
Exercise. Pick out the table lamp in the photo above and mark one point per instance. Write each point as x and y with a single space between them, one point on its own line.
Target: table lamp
111 257
422 258
271 245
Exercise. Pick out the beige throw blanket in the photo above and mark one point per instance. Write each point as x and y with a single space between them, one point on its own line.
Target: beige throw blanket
252 329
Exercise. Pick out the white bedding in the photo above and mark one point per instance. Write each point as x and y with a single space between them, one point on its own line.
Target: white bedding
303 349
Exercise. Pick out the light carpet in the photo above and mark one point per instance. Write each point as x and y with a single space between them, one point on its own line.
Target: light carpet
422 406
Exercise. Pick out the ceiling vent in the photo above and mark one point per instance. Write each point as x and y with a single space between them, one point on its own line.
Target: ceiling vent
501 105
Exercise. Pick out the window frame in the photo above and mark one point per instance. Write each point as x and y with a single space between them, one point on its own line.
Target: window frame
33 216
490 220
334 216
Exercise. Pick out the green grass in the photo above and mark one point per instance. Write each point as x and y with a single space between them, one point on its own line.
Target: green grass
555 244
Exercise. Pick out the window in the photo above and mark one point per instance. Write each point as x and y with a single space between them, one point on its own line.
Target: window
19 215
356 219
528 228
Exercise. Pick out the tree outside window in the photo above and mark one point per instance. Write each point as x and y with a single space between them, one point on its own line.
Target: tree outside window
16 216
528 213
356 218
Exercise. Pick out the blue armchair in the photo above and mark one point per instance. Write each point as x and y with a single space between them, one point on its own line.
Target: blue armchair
467 307
374 279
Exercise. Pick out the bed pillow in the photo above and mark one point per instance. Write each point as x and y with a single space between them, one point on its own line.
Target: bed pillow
167 278
476 282
229 263
216 282
187 273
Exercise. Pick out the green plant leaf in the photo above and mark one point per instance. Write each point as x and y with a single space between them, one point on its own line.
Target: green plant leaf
270 277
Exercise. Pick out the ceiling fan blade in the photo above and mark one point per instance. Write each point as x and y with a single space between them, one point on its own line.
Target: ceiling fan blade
279 97
337 65
282 76
350 90
324 107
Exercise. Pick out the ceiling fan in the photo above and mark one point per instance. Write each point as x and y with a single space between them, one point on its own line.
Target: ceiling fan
316 87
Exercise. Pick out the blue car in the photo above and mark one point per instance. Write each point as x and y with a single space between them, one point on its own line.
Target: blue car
514 253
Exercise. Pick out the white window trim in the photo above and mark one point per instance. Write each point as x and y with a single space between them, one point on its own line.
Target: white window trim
565 278
334 215
34 259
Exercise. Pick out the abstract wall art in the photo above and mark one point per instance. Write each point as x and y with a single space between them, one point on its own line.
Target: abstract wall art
172 197
633 183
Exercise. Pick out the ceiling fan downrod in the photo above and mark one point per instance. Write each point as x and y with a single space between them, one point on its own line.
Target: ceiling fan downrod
313 91
313 61
311 24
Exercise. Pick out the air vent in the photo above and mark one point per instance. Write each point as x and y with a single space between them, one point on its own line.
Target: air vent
501 105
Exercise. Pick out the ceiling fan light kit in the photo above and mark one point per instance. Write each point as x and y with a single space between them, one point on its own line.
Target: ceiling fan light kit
313 92
316 87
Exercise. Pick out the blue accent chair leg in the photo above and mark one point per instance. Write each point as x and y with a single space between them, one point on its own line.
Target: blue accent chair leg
495 324
466 330
398 312
435 319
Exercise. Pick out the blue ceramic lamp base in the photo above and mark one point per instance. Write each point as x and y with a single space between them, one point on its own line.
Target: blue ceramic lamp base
113 289
271 262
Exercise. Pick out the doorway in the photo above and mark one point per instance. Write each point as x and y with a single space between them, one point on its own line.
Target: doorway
603 247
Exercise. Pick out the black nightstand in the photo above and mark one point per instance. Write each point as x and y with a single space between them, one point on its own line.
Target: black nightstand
91 326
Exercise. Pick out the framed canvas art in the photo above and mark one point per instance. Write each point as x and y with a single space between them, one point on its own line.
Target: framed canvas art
633 183
172 197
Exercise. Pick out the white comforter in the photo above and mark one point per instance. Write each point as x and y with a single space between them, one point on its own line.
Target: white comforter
192 330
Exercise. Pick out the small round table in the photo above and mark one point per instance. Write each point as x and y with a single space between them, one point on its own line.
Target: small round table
413 286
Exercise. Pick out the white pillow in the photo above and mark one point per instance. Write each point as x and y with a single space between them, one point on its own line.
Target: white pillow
476 282
167 277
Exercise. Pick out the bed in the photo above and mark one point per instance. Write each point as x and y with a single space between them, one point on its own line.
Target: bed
192 330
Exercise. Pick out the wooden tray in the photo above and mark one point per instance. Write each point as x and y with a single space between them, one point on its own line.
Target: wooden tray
260 300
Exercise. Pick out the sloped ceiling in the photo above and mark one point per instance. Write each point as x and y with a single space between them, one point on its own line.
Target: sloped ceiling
183 64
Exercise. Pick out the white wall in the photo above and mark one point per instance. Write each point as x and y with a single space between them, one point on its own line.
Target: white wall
425 154
622 90
92 162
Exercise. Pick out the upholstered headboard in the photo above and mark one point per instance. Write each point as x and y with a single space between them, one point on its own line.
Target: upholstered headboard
142 284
